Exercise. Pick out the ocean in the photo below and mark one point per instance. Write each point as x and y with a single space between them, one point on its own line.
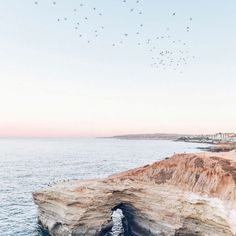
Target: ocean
28 164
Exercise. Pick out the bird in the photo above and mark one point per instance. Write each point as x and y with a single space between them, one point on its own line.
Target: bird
165 51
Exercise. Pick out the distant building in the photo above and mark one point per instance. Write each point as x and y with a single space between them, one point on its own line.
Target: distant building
212 139
223 137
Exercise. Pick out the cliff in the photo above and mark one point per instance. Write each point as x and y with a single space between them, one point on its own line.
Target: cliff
223 147
188 194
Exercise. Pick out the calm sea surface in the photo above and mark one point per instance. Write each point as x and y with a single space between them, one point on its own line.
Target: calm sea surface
30 164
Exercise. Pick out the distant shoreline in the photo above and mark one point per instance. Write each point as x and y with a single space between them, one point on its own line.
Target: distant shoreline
214 145
155 136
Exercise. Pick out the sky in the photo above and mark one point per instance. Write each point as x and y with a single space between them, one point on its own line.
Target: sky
54 83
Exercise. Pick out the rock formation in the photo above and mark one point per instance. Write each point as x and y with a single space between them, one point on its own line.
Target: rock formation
188 194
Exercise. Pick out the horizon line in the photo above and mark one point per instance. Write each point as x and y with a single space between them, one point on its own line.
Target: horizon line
102 136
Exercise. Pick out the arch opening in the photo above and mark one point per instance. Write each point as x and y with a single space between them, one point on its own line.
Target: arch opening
120 221
117 223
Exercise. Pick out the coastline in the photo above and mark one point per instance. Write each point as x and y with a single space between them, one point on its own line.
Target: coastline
202 185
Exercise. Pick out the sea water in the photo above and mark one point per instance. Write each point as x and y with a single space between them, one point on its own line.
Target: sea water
27 165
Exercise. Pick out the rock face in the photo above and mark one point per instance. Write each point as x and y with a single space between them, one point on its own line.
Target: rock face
188 194
223 147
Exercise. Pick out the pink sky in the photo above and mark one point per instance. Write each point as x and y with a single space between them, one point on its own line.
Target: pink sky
40 130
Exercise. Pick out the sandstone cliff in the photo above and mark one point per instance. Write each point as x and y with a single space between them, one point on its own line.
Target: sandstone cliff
188 194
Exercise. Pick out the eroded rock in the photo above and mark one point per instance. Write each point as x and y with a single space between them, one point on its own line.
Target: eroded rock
188 194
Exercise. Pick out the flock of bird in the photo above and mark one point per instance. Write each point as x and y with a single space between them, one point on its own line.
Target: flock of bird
165 51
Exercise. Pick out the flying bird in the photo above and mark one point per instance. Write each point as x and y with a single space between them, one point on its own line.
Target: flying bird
165 51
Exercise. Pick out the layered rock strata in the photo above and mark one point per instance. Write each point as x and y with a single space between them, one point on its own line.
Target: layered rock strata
188 194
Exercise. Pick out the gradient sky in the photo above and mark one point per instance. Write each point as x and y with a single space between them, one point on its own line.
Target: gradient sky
52 83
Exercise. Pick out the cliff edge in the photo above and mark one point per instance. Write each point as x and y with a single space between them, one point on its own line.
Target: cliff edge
188 194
